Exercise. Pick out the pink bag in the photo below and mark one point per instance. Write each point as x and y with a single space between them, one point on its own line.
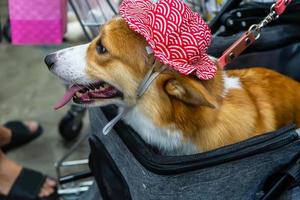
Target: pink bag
37 21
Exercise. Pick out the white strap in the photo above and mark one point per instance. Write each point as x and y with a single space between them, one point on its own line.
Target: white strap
298 132
149 78
109 126
147 81
149 50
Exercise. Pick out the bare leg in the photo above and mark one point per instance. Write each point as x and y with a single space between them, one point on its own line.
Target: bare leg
5 136
9 170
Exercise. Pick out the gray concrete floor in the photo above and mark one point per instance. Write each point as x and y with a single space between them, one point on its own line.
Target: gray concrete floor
28 91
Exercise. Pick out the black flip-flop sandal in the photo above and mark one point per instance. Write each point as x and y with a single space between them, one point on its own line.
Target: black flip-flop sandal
20 135
28 186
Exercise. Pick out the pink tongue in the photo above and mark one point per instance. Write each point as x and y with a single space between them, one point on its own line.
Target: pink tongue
67 96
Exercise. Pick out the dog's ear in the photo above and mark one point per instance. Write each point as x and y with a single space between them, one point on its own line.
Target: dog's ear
190 91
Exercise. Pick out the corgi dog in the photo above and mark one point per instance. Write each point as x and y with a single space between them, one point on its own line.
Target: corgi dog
177 114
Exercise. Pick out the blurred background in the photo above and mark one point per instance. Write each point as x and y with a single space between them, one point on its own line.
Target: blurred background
28 91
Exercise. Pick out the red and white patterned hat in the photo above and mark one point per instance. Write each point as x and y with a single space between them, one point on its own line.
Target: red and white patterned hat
178 36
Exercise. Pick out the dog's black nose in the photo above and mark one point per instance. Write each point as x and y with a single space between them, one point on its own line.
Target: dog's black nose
50 60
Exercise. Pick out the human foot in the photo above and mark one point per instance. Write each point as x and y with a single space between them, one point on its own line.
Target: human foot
20 133
10 171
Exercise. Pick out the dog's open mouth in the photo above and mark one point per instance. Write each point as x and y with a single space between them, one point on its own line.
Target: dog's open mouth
87 94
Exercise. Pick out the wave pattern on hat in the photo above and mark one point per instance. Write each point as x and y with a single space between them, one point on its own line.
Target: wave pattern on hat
178 36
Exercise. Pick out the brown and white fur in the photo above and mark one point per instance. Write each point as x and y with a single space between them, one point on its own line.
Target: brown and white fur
181 114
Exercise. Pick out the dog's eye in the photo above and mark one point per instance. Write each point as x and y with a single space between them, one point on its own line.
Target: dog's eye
101 49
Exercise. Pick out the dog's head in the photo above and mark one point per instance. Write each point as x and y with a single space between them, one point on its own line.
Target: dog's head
110 69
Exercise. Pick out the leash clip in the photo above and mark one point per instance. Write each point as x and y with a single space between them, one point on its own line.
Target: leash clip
256 28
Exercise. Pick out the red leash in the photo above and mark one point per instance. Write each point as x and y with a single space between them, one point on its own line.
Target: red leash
281 5
252 34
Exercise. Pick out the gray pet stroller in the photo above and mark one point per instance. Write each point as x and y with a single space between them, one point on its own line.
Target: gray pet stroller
263 167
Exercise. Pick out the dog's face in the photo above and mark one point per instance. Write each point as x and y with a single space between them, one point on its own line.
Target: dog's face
118 57
113 64
110 69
